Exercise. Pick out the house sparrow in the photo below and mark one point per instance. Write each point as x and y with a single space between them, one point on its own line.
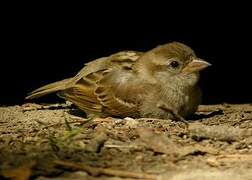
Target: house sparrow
160 83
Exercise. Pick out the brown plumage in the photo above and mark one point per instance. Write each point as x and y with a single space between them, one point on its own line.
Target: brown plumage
160 83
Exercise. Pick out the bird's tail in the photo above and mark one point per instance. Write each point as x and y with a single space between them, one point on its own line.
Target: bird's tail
48 89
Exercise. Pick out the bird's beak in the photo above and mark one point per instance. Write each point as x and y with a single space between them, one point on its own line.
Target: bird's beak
195 65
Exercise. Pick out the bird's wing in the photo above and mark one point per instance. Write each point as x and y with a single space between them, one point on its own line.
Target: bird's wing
82 93
123 58
120 93
107 88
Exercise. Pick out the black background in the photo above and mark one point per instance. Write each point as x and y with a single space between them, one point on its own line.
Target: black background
42 44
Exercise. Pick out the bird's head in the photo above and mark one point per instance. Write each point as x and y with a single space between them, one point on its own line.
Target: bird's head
172 59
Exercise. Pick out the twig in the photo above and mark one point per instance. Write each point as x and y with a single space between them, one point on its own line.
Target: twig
95 171
176 115
229 158
79 120
207 109
240 121
152 119
60 124
33 106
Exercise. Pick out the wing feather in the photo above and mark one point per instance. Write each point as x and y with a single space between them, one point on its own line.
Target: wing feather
98 88
119 93
103 86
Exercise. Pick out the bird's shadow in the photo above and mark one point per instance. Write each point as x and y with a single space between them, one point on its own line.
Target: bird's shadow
197 117
77 112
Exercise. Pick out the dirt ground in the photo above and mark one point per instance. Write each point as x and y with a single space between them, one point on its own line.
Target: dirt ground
56 142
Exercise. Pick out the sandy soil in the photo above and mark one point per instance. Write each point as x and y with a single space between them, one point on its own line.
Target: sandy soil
55 142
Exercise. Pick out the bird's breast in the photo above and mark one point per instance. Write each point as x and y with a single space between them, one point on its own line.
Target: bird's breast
181 97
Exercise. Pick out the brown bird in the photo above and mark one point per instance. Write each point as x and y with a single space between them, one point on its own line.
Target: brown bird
160 83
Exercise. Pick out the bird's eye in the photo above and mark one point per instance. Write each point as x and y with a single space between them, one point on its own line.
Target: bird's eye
174 64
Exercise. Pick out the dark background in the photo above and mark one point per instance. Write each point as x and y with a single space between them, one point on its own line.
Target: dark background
42 45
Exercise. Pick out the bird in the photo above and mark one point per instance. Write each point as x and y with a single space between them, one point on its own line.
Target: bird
160 83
